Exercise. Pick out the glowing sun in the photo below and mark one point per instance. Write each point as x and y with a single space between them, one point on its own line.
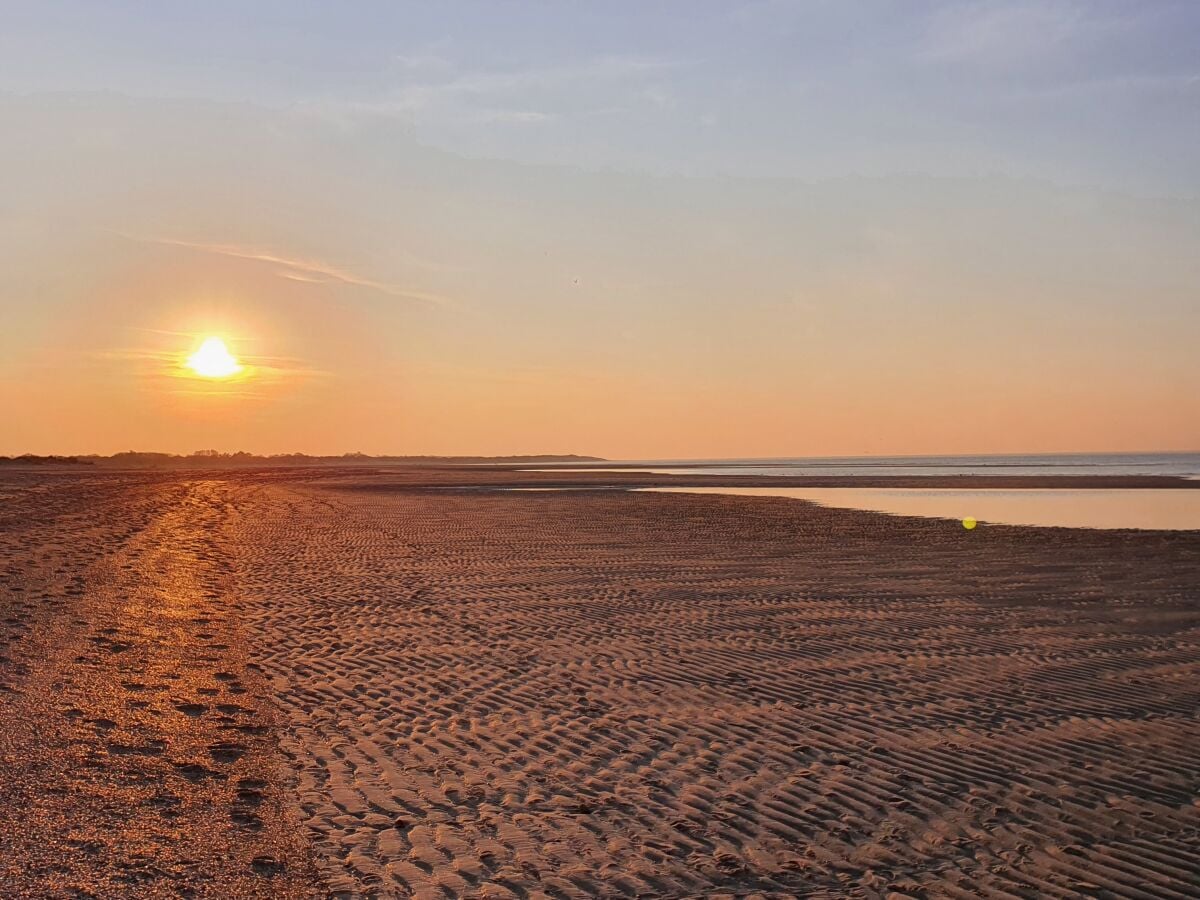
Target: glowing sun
213 360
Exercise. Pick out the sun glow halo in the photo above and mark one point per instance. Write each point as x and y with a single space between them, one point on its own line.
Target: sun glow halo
213 360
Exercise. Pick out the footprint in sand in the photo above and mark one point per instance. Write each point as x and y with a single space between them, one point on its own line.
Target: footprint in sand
226 752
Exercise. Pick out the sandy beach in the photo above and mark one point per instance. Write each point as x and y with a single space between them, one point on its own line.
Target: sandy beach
348 683
547 451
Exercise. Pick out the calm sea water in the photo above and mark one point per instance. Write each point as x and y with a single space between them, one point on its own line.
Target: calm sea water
1157 509
1181 464
1166 508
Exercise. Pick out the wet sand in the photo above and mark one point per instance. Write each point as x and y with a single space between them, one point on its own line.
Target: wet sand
297 683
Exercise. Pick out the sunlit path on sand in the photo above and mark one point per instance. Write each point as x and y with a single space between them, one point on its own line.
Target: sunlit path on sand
140 750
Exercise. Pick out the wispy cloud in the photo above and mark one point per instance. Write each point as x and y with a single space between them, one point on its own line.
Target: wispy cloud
991 33
310 271
599 69
435 85
166 370
1115 85
430 58
516 116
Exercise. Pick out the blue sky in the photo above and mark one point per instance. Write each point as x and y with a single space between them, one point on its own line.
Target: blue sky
1100 93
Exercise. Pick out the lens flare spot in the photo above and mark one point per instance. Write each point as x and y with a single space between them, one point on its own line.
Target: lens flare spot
213 360
969 523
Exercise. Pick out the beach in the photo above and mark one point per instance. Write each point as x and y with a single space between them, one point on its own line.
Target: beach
403 682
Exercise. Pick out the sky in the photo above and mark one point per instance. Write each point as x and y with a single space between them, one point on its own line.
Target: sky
633 230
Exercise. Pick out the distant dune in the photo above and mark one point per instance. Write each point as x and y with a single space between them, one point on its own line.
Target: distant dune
29 459
132 459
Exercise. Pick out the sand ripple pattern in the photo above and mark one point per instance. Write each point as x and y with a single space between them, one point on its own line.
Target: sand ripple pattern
624 695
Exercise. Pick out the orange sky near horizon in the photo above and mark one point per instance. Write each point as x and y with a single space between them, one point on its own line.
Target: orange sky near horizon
440 305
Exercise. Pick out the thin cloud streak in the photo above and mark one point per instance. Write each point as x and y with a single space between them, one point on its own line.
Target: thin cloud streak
278 366
453 86
304 270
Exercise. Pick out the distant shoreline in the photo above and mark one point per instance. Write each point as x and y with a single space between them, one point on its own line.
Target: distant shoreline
144 460
473 473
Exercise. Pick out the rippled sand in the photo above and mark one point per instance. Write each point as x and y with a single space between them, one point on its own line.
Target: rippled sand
293 684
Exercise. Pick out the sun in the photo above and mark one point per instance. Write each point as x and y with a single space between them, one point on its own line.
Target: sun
213 360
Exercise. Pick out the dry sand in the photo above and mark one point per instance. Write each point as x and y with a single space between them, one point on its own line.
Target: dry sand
291 684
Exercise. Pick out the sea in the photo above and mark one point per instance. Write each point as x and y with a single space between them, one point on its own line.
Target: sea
1185 465
1105 508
